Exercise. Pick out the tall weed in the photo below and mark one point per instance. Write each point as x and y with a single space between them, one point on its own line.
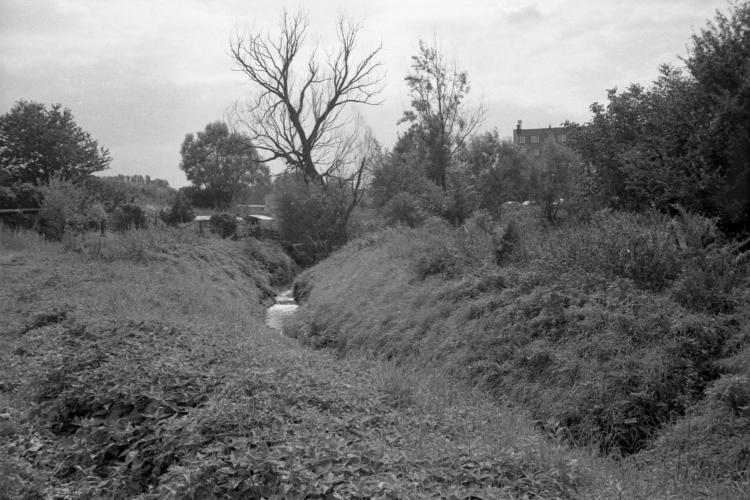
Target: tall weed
607 330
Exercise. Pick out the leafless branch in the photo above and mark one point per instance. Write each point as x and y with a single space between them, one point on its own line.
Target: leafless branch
300 110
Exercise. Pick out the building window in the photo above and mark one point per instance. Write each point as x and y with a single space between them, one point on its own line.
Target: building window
522 139
534 139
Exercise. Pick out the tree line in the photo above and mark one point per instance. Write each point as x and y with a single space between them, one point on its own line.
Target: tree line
681 141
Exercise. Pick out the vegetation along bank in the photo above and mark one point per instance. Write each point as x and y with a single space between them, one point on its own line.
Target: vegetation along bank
628 334
144 370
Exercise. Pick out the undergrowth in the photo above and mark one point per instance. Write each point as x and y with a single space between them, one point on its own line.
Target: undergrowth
618 332
149 374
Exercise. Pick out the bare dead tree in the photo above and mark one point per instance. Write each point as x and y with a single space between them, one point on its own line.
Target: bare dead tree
300 113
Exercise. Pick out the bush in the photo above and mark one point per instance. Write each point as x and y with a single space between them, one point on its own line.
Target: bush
225 225
180 212
20 195
584 325
311 218
403 209
707 282
505 242
128 216
639 247
67 207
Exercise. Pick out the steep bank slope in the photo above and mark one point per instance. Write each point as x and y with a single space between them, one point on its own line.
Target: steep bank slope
141 368
610 332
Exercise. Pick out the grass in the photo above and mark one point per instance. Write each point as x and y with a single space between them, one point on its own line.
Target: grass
143 370
623 334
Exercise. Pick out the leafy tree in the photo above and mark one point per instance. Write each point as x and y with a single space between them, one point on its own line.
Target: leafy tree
685 139
438 115
499 170
644 146
37 144
400 171
719 61
219 163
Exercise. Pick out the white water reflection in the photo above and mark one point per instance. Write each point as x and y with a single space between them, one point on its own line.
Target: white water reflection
283 309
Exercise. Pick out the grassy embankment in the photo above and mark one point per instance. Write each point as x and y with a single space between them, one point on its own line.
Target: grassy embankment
139 366
625 334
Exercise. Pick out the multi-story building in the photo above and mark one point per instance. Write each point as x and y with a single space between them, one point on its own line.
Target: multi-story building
532 139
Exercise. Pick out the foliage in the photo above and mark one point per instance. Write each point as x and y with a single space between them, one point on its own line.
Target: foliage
719 62
128 216
67 207
685 138
219 162
133 385
38 144
113 191
402 209
20 195
641 146
180 212
558 169
225 225
498 170
598 328
455 203
399 172
440 121
311 218
399 177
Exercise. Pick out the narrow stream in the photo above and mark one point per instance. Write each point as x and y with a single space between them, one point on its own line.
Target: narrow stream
282 310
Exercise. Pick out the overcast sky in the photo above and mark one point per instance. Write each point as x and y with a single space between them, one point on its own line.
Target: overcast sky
139 75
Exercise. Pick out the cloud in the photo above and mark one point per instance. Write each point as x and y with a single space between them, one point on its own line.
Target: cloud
524 15
140 74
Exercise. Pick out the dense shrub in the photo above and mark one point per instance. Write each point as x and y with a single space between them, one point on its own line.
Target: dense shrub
639 247
707 282
67 207
403 209
114 191
225 225
505 241
128 216
180 212
20 195
311 217
606 330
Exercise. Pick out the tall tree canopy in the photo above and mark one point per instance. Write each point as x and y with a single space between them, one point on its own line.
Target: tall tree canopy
37 144
719 62
686 138
437 90
220 163
500 170
300 112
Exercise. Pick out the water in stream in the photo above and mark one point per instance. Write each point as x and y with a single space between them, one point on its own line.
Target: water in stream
283 309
